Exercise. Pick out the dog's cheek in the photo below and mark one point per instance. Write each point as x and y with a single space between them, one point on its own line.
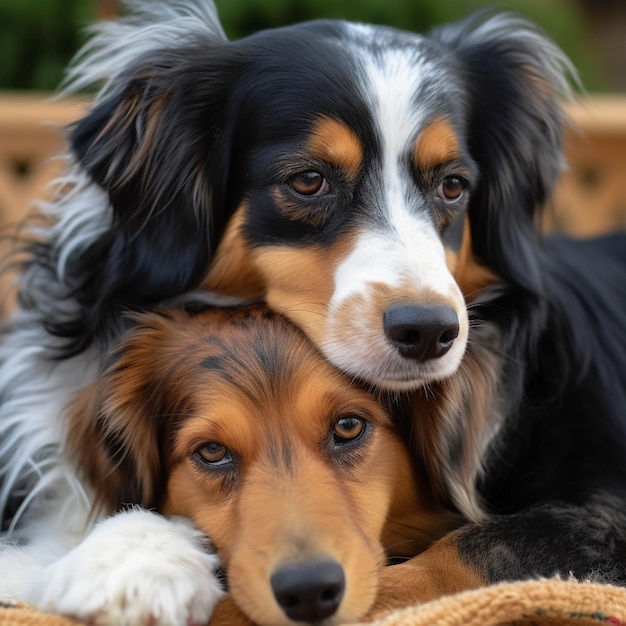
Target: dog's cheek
232 271
300 282
469 273
209 508
228 613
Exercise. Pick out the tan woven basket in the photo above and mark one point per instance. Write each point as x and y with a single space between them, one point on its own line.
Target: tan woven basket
531 603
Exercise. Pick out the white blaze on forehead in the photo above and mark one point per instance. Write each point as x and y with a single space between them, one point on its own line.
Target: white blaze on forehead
409 254
405 248
394 67
393 85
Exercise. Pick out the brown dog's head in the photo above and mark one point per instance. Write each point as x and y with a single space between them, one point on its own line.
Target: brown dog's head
233 419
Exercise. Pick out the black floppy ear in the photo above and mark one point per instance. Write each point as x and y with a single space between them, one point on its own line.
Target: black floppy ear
517 79
159 146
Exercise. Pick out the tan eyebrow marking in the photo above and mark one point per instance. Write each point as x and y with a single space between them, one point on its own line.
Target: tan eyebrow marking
436 144
332 141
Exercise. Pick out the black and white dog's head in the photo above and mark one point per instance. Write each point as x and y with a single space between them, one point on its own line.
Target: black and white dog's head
366 182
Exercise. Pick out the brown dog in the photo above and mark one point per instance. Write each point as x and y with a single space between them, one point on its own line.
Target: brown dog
233 419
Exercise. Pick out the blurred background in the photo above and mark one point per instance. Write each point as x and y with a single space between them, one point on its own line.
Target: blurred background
39 37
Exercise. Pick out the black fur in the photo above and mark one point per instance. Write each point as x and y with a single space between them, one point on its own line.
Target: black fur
173 188
190 133
555 477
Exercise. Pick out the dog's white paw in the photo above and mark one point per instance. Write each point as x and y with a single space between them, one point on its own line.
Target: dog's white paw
135 568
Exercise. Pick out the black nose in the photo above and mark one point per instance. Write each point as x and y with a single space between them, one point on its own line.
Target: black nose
421 331
309 592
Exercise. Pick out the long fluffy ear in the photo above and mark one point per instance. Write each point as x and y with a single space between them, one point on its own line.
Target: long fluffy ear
118 427
157 141
517 80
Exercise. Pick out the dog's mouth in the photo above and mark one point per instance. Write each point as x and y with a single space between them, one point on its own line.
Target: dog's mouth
399 374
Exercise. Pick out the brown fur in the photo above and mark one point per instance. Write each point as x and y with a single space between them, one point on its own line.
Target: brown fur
252 382
435 145
300 281
436 572
334 142
297 282
232 271
470 274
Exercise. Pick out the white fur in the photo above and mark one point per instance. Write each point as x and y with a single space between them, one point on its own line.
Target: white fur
35 394
151 25
413 256
134 568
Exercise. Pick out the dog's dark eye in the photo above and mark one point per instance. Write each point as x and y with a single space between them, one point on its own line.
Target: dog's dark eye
309 183
348 429
213 453
451 189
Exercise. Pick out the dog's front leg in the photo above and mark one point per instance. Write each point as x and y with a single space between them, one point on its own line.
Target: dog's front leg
550 539
441 570
135 568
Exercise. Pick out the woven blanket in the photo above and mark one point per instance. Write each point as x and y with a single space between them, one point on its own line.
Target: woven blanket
531 603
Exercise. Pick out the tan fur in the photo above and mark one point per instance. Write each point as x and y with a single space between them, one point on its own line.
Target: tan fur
252 382
333 142
435 145
232 270
437 572
295 281
470 274
301 281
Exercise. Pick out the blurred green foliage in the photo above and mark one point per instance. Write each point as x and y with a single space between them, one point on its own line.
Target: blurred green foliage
561 19
38 37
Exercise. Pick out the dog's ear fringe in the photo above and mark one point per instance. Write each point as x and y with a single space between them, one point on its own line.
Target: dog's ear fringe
117 424
518 81
159 148
103 454
156 157
145 27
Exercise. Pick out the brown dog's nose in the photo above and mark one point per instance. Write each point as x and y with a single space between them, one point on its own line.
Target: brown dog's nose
309 592
421 331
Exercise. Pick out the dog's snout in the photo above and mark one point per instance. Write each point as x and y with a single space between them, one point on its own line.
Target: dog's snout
309 592
421 331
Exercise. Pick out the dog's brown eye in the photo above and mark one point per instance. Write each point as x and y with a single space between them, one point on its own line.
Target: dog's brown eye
214 453
451 189
348 429
309 183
